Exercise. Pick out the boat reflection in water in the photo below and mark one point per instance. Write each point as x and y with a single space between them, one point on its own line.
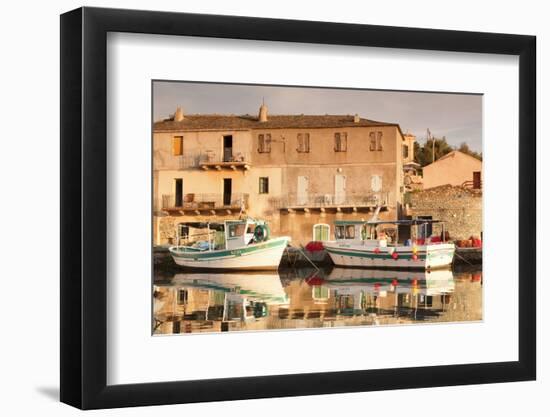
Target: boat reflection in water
304 298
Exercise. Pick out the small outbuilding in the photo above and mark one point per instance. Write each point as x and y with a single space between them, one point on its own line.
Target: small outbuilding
455 168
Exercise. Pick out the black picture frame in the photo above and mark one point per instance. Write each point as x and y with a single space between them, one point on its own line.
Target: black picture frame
84 207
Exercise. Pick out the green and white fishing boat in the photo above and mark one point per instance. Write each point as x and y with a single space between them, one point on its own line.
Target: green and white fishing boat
232 245
369 244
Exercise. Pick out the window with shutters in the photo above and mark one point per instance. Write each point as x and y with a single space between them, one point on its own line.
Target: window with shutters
375 141
340 142
372 141
264 143
177 145
264 185
303 142
378 141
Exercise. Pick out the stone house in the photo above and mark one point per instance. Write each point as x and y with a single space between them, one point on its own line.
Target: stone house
295 171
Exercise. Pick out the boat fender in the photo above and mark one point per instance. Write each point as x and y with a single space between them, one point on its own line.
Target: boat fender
261 233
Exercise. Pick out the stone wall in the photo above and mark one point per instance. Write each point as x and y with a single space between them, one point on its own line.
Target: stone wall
459 208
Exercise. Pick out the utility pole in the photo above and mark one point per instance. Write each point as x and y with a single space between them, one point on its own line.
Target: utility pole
433 144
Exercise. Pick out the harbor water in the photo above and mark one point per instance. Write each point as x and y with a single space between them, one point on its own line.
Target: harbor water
299 298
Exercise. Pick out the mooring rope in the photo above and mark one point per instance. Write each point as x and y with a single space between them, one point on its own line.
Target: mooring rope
307 258
464 259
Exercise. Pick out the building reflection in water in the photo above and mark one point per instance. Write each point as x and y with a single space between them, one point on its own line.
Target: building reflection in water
294 299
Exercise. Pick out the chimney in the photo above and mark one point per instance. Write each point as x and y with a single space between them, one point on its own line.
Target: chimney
262 117
178 116
356 118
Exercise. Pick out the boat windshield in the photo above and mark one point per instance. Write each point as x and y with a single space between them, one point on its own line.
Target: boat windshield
201 236
348 231
236 229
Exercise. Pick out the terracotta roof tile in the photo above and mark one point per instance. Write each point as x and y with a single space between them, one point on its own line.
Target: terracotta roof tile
227 122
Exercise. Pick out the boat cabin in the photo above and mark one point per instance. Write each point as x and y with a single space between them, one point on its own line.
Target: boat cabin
231 234
391 232
239 233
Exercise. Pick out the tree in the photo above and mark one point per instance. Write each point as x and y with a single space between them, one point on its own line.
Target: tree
464 148
423 153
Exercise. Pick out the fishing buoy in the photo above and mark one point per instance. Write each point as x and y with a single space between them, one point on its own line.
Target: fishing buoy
414 257
415 282
394 282
394 255
376 250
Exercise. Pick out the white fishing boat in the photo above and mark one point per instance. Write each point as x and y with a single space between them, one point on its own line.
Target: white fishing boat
231 245
377 244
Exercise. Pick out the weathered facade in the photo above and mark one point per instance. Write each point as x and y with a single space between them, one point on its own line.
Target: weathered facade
460 208
294 171
454 168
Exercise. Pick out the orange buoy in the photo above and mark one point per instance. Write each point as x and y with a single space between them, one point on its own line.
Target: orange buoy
414 257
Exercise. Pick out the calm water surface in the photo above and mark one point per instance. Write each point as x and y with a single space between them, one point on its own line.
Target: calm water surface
306 298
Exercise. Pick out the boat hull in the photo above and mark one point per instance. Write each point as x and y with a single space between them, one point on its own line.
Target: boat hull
357 255
257 256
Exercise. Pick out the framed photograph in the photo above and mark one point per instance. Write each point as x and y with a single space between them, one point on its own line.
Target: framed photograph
259 208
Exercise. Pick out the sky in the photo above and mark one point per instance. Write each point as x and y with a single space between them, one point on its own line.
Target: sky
458 117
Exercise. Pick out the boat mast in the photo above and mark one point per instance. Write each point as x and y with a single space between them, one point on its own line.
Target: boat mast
208 234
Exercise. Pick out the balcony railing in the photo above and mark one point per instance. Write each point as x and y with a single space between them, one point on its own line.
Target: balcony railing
215 160
205 202
334 201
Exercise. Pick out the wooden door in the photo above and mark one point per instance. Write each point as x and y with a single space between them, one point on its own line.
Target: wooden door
477 180
321 232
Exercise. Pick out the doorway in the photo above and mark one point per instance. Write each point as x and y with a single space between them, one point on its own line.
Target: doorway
424 230
339 189
303 185
227 191
228 148
477 180
178 192
321 232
